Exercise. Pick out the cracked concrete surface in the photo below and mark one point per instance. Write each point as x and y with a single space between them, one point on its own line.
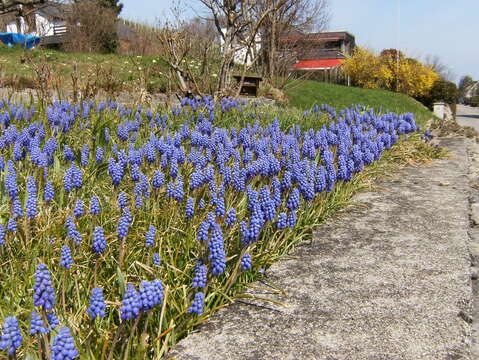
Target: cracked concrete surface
387 280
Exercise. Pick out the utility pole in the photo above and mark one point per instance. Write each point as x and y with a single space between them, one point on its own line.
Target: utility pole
398 22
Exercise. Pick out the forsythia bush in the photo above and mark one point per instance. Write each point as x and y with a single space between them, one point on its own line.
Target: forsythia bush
371 71
364 69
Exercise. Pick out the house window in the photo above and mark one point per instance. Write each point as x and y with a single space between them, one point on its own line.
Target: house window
336 45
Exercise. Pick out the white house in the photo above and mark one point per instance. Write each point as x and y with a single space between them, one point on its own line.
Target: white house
240 54
49 20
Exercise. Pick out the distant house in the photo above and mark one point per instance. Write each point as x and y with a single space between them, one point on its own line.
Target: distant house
241 55
472 90
471 94
317 51
49 21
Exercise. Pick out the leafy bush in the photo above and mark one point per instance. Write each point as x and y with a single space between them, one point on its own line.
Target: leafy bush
442 91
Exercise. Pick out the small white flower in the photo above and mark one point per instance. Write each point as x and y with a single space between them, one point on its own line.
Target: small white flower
154 61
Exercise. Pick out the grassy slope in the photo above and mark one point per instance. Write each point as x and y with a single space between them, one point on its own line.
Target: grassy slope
127 69
305 94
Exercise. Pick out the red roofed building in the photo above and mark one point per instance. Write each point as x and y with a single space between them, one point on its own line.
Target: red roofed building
317 51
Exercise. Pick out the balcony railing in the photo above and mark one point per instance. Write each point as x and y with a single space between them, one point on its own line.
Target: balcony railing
59 30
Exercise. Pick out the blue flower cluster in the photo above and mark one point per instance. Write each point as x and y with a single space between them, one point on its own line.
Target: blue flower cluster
11 338
150 236
99 242
66 258
230 186
43 292
97 304
131 304
37 327
63 347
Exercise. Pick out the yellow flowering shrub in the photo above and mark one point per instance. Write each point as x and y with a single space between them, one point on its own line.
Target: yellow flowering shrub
368 70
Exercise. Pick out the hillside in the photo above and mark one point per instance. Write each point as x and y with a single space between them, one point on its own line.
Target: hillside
306 94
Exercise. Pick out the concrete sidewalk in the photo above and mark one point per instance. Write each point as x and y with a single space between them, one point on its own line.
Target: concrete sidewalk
387 280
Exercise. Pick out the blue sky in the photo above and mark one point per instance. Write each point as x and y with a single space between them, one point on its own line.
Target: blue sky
444 28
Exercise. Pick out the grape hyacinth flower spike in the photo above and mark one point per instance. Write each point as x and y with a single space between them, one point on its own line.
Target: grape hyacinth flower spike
131 303
246 262
198 304
97 304
11 338
66 257
150 236
95 208
36 324
43 293
99 242
63 347
156 259
199 280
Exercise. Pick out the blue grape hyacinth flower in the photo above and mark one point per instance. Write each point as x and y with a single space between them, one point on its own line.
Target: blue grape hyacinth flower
36 325
66 259
12 225
32 209
151 294
198 304
122 200
11 338
63 347
230 217
282 221
43 293
190 208
52 320
123 226
99 242
131 303
79 208
49 192
245 262
97 304
95 208
150 236
2 234
156 259
199 280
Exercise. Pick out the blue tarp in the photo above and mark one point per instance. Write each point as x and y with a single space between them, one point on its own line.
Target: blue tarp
26 41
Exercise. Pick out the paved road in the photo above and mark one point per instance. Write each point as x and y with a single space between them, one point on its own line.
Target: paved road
468 116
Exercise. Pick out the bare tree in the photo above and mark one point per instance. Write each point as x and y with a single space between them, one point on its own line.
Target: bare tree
17 6
91 27
439 67
294 16
189 48
238 22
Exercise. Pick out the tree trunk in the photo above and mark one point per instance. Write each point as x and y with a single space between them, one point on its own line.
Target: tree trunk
226 62
272 47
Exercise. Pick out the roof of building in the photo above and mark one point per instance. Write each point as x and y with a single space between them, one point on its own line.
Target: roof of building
324 35
55 10
319 64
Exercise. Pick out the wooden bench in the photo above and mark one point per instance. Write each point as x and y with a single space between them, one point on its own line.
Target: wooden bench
250 85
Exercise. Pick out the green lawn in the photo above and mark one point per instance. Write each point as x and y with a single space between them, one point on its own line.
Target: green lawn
107 70
305 94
